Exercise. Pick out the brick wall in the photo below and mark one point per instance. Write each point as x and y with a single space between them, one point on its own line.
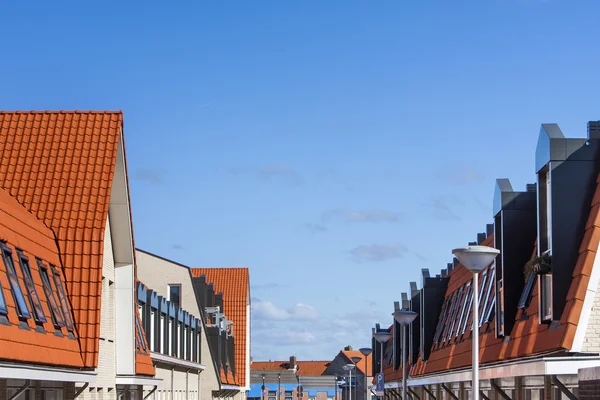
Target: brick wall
589 383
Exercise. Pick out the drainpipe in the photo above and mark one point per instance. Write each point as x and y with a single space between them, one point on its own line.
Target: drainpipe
21 390
200 385
81 389
187 391
151 392
172 384
120 395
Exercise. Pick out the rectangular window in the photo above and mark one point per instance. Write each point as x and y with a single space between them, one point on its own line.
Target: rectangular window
171 334
62 296
441 321
463 311
139 331
451 313
175 295
57 317
151 334
546 297
34 300
486 298
199 347
500 308
526 294
469 310
11 272
163 333
455 313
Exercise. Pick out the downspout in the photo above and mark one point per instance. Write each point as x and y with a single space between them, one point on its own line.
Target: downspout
81 389
151 392
172 384
200 385
187 385
126 388
21 390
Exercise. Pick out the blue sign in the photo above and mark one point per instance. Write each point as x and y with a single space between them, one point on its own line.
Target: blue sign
379 382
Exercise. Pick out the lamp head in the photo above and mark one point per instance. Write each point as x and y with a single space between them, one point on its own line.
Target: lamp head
356 359
382 336
365 351
404 317
476 258
348 367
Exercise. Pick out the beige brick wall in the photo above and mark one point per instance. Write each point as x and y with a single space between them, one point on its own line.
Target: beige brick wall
591 341
106 357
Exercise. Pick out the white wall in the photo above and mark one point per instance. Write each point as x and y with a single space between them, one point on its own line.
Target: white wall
157 273
106 358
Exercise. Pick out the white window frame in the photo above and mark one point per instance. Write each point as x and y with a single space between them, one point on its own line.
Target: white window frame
468 295
490 284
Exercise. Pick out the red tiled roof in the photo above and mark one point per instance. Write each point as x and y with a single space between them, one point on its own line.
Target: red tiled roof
234 284
304 368
20 229
361 365
528 337
60 166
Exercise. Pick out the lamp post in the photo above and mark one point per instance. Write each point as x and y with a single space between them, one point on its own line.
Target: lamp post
381 337
366 352
278 386
475 259
349 367
404 318
262 394
355 360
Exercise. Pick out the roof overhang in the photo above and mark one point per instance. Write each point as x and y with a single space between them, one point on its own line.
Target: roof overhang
177 362
532 367
226 391
40 373
139 380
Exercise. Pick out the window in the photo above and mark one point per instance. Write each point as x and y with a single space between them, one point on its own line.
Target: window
151 333
440 326
500 307
34 300
544 211
486 298
199 341
463 308
526 294
21 306
62 295
138 329
163 333
55 313
175 295
469 310
3 307
546 297
288 395
455 312
171 348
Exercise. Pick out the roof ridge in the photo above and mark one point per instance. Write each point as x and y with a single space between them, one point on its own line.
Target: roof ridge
61 111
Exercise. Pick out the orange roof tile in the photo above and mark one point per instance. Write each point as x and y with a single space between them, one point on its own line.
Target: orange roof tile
304 368
60 166
528 336
234 283
364 364
21 230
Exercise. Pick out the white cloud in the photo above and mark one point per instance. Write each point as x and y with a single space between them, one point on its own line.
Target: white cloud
378 252
267 311
362 216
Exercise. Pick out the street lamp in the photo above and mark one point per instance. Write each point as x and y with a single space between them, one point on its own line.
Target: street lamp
404 318
262 395
349 367
278 386
355 360
476 259
366 352
381 337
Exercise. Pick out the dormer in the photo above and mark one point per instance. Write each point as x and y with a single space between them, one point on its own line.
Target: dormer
515 230
566 172
432 296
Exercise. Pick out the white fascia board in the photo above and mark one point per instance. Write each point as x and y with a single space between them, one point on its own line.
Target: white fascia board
16 371
230 387
534 367
176 361
138 380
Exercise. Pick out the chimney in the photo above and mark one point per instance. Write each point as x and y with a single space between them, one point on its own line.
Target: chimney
472 243
348 348
444 273
531 187
594 130
292 363
455 262
481 237
489 229
449 267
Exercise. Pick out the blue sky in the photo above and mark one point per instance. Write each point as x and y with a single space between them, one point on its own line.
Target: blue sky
335 148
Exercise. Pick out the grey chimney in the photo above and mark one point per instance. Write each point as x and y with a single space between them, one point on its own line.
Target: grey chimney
481 237
594 130
489 229
531 187
292 363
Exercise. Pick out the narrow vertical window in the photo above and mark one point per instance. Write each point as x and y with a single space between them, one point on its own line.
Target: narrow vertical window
151 334
546 297
500 308
441 321
526 294
163 332
486 298
139 333
463 311
62 295
469 310
34 300
175 295
57 317
11 272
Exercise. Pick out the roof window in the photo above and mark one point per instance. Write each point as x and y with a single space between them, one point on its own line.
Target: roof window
57 316
34 300
62 296
20 303
526 294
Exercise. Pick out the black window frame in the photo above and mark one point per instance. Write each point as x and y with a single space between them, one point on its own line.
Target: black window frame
13 280
464 311
453 305
62 297
525 298
455 314
37 309
440 326
178 302
58 319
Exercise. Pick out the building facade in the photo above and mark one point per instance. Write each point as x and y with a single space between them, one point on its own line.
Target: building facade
539 300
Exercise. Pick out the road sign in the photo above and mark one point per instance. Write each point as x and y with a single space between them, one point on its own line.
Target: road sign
379 382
